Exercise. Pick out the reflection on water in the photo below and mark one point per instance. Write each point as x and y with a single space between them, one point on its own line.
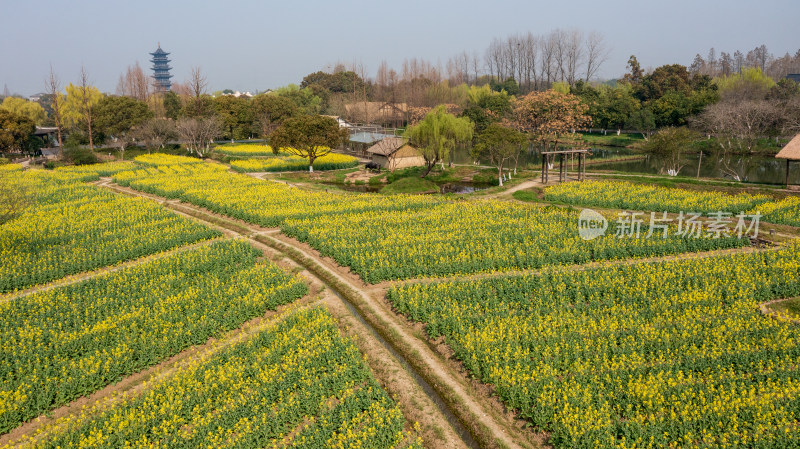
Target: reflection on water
759 169
450 187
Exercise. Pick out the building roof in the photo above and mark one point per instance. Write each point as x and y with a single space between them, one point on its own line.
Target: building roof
791 150
387 146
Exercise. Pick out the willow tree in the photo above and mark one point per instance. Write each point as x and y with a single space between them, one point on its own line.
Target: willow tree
437 135
308 136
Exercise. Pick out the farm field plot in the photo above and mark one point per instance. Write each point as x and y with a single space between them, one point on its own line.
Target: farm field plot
331 161
298 383
70 341
104 169
624 195
69 227
785 211
401 236
245 150
666 354
466 237
256 201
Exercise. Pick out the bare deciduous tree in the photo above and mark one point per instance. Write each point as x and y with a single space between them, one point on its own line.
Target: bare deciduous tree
86 102
198 133
134 83
53 86
154 133
596 53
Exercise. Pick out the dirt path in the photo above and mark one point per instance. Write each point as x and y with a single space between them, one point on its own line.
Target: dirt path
471 407
766 310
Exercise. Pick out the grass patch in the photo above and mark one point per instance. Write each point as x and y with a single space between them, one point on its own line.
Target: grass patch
410 185
790 307
529 196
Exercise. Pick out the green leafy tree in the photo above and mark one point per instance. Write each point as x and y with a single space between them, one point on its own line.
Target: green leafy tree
21 106
437 135
172 105
15 131
499 144
115 116
614 106
671 145
308 136
303 98
270 110
667 78
486 106
642 121
236 116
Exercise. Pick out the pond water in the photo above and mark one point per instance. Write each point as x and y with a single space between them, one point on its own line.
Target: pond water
757 169
451 187
532 159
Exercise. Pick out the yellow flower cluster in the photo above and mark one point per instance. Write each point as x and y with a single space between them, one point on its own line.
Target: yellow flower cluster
67 342
256 201
157 159
785 211
331 161
296 384
10 167
245 149
668 354
398 237
462 237
624 195
104 169
68 227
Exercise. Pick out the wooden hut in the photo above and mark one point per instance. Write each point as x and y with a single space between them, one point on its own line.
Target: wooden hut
791 152
394 152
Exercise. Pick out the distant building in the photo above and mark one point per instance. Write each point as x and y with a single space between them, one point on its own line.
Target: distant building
794 77
394 152
36 97
161 69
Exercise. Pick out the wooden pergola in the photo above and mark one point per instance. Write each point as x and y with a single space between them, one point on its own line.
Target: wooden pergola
791 152
547 156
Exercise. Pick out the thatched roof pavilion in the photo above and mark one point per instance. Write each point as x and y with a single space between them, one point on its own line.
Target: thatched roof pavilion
791 152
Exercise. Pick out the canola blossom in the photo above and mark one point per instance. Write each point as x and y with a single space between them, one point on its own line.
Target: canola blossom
69 227
246 150
331 161
298 383
104 169
464 237
60 344
625 195
666 354
10 167
785 211
264 203
402 236
157 159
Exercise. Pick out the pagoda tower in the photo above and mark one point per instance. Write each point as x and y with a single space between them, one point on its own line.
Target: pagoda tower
161 69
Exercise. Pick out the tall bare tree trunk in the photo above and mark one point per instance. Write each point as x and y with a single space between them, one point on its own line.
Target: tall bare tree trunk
54 89
87 105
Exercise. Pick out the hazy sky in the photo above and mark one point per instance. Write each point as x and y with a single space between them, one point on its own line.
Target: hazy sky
255 45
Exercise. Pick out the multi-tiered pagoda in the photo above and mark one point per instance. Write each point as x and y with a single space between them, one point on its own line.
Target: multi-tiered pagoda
161 69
